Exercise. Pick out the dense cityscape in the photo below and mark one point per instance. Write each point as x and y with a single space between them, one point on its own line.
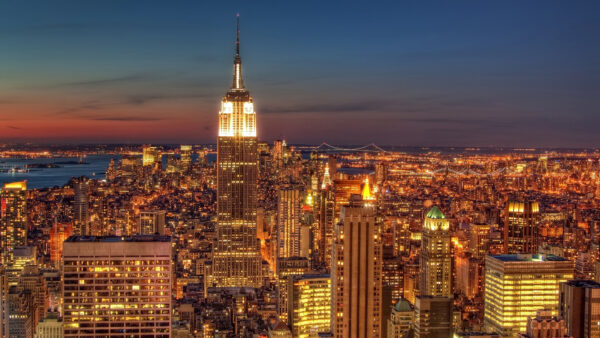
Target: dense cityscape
253 238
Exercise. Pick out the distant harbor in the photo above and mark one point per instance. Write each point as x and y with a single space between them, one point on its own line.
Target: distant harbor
53 171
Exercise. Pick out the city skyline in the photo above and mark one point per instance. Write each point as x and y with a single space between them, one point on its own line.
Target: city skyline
265 235
393 74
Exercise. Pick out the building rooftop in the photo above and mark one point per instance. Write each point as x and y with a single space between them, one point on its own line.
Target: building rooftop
529 258
107 239
435 213
403 306
583 283
312 276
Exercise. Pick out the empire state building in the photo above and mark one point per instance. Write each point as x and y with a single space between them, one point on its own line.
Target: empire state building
236 255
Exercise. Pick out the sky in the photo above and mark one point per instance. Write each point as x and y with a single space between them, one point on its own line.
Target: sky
405 73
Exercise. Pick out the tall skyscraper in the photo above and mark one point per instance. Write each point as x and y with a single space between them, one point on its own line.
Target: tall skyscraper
13 218
436 258
81 217
580 308
356 272
150 155
521 223
186 156
309 305
288 222
117 286
516 286
236 255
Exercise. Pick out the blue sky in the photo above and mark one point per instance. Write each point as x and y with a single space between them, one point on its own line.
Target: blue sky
452 73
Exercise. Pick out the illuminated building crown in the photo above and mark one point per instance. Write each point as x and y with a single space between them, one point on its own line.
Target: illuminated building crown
237 117
366 192
436 220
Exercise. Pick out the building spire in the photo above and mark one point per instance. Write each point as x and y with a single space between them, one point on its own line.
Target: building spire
237 36
237 63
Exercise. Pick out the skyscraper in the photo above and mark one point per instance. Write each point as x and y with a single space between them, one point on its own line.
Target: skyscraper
117 286
356 272
186 156
80 207
13 218
286 269
435 259
580 308
288 222
236 255
516 286
150 155
521 223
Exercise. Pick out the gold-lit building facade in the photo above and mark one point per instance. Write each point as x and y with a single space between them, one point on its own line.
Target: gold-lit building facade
309 305
236 255
516 286
288 222
117 286
288 268
13 218
521 223
150 156
436 259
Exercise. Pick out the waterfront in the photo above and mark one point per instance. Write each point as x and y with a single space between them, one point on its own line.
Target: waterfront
93 166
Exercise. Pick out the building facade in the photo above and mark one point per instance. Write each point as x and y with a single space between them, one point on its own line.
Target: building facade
356 272
516 286
433 317
288 222
13 218
309 305
117 286
152 222
81 216
580 308
521 223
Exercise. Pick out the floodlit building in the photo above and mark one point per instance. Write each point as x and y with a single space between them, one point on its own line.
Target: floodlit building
288 222
288 268
13 218
117 286
521 223
516 286
236 254
309 305
436 258
150 156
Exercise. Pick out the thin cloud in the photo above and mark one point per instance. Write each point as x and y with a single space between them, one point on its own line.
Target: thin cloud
126 118
109 81
329 108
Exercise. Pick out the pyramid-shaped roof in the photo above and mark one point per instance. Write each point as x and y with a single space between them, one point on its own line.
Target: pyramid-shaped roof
435 213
